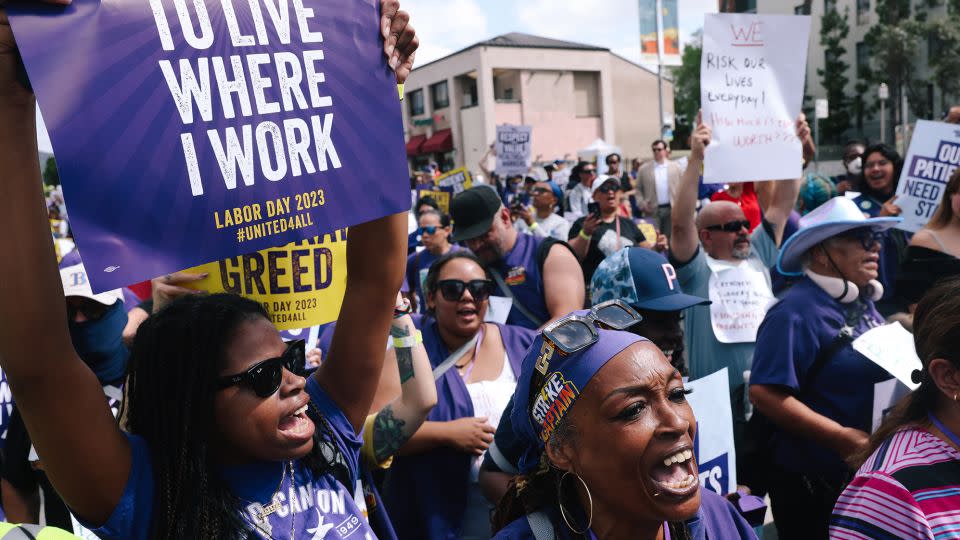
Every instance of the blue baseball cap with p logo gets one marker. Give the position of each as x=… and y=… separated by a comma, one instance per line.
x=642, y=278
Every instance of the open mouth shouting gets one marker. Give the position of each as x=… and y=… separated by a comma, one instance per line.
x=676, y=475
x=297, y=426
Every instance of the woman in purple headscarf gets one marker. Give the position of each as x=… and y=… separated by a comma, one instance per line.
x=610, y=440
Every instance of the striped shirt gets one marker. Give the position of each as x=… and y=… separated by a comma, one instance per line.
x=908, y=488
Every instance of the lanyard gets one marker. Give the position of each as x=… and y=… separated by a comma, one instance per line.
x=946, y=431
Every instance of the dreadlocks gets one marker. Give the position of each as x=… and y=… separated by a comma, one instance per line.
x=174, y=366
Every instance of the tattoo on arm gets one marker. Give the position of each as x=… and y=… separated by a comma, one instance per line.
x=388, y=434
x=404, y=355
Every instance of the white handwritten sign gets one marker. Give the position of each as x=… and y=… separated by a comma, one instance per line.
x=751, y=90
x=933, y=156
x=891, y=347
x=716, y=456
x=741, y=295
x=514, y=149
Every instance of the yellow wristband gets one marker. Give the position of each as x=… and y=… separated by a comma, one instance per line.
x=408, y=342
x=585, y=236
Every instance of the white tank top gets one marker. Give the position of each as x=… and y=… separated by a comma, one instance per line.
x=489, y=398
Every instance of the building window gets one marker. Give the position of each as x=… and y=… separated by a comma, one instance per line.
x=470, y=98
x=416, y=102
x=586, y=93
x=802, y=9
x=863, y=60
x=829, y=5
x=863, y=12
x=439, y=95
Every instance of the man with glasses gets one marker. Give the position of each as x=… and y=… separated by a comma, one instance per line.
x=716, y=257
x=657, y=182
x=541, y=276
x=543, y=222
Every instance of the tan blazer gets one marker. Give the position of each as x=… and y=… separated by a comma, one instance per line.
x=647, y=184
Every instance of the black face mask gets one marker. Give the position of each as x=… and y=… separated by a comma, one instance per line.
x=100, y=344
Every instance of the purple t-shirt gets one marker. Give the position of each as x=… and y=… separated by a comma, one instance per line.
x=716, y=519
x=318, y=506
x=794, y=331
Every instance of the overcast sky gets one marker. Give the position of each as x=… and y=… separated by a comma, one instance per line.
x=445, y=26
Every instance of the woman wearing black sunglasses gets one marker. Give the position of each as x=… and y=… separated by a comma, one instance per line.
x=224, y=441
x=431, y=489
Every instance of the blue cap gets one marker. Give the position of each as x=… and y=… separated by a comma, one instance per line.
x=564, y=378
x=557, y=192
x=642, y=278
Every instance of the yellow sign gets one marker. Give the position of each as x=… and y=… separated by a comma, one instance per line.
x=456, y=180
x=442, y=198
x=300, y=284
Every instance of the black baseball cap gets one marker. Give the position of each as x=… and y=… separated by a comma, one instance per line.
x=472, y=211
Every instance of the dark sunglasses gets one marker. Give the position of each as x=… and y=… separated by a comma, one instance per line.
x=577, y=332
x=731, y=226
x=429, y=229
x=452, y=289
x=608, y=187
x=265, y=377
x=590, y=171
x=866, y=237
x=91, y=309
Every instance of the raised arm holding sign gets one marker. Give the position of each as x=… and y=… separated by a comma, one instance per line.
x=751, y=90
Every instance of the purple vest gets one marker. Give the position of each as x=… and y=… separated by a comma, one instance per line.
x=521, y=272
x=426, y=494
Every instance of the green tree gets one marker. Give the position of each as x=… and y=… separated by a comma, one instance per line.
x=50, y=175
x=834, y=29
x=686, y=91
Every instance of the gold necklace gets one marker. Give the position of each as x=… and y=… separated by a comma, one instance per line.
x=275, y=505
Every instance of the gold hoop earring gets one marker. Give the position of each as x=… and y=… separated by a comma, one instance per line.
x=563, y=511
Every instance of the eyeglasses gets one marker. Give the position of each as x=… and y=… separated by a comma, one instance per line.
x=265, y=377
x=429, y=229
x=878, y=163
x=452, y=289
x=607, y=187
x=91, y=309
x=589, y=171
x=658, y=149
x=867, y=237
x=577, y=332
x=732, y=226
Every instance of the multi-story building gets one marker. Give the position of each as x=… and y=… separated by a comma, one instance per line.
x=571, y=93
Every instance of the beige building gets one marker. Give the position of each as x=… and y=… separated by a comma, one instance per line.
x=571, y=93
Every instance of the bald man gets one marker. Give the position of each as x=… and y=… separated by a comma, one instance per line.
x=717, y=257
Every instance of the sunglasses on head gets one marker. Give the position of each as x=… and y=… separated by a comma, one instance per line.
x=577, y=332
x=452, y=289
x=866, y=237
x=265, y=377
x=429, y=229
x=731, y=226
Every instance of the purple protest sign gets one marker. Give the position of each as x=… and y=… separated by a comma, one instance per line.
x=192, y=131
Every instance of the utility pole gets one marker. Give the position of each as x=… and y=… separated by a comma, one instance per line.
x=884, y=94
x=660, y=64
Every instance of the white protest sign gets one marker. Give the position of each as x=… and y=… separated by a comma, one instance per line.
x=933, y=156
x=751, y=90
x=741, y=295
x=891, y=347
x=716, y=457
x=886, y=394
x=514, y=149
x=498, y=309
